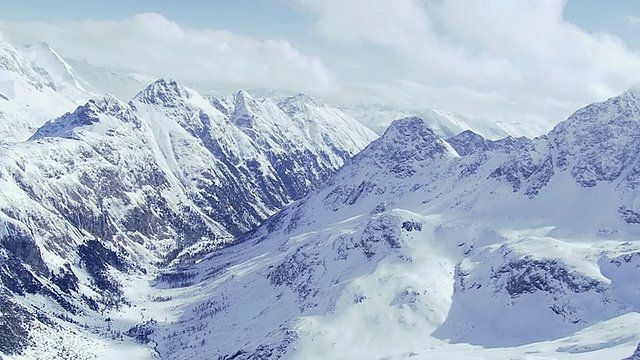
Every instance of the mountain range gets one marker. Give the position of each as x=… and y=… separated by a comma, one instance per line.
x=180, y=226
x=423, y=246
x=445, y=123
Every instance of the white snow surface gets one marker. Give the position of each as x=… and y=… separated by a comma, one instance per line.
x=28, y=95
x=122, y=84
x=64, y=77
x=38, y=84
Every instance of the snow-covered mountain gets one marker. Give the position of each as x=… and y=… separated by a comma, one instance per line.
x=38, y=84
x=245, y=158
x=445, y=123
x=29, y=95
x=428, y=247
x=79, y=79
x=64, y=77
x=124, y=85
x=112, y=192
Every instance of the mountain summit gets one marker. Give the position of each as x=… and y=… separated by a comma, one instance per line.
x=163, y=93
x=29, y=96
x=97, y=110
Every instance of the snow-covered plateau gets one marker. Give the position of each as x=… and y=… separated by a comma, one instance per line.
x=181, y=226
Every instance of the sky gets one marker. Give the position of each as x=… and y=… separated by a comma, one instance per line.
x=515, y=61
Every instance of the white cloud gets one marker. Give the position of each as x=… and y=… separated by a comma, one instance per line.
x=632, y=21
x=152, y=44
x=511, y=60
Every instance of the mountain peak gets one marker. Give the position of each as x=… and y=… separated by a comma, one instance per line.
x=243, y=98
x=86, y=115
x=467, y=135
x=12, y=61
x=633, y=91
x=42, y=45
x=407, y=144
x=297, y=103
x=412, y=127
x=163, y=92
x=467, y=142
x=301, y=98
x=604, y=117
x=244, y=109
x=61, y=73
x=601, y=140
x=41, y=52
x=630, y=100
x=107, y=104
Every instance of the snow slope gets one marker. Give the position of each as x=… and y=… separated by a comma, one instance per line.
x=38, y=84
x=245, y=158
x=79, y=79
x=121, y=84
x=64, y=77
x=28, y=95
